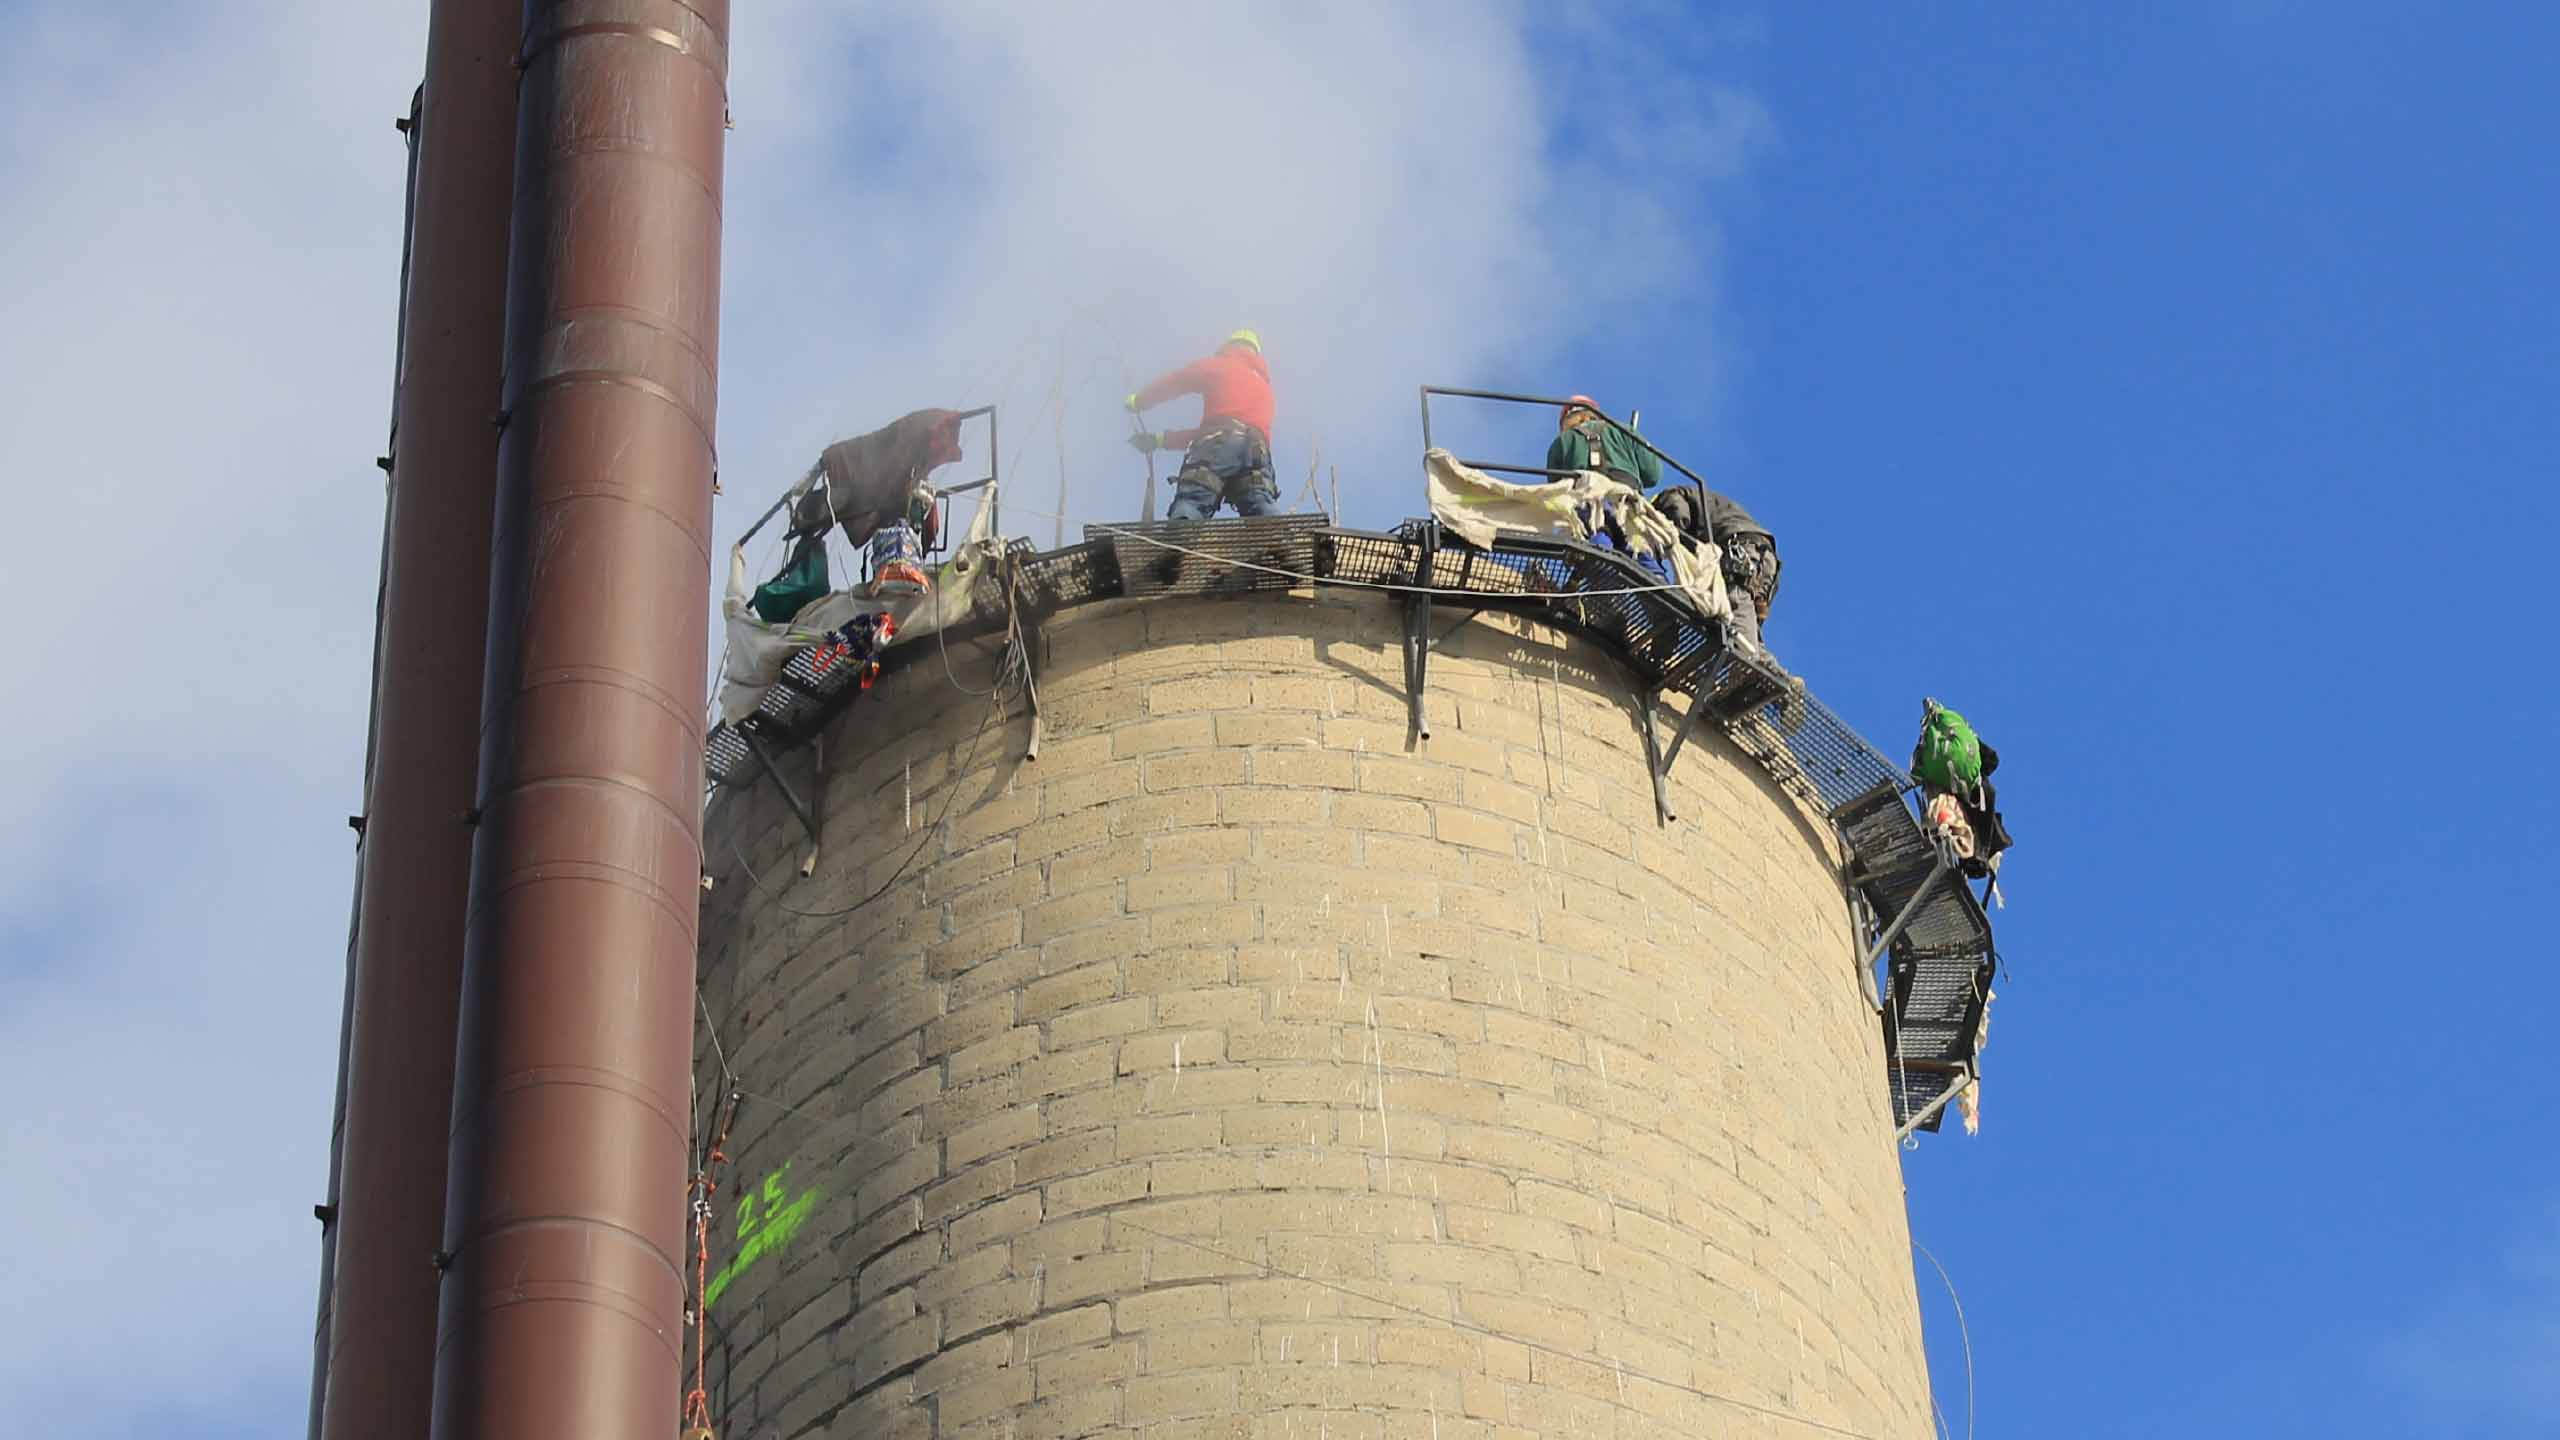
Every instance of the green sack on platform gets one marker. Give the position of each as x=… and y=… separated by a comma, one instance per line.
x=1949, y=756
x=802, y=581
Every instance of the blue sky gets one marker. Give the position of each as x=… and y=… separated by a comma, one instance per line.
x=2175, y=395
x=2171, y=391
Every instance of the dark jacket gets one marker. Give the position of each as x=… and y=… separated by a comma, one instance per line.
x=1602, y=446
x=1723, y=521
x=1729, y=519
x=871, y=479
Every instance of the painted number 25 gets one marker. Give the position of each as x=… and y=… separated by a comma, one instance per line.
x=771, y=1191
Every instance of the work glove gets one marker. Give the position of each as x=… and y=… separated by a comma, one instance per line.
x=1146, y=442
x=1131, y=404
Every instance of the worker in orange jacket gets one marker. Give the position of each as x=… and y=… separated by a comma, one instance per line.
x=1227, y=456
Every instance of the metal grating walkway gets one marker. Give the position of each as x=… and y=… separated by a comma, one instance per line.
x=1212, y=557
x=808, y=699
x=1941, y=955
x=1599, y=593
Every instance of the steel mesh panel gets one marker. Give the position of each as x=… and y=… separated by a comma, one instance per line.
x=1886, y=836
x=1732, y=685
x=1915, y=1087
x=782, y=710
x=1458, y=566
x=1811, y=748
x=1075, y=575
x=1932, y=1044
x=1943, y=963
x=723, y=751
x=1895, y=859
x=800, y=673
x=1948, y=922
x=1578, y=586
x=1518, y=564
x=1365, y=557
x=1648, y=631
x=1600, y=593
x=1939, y=994
x=1937, y=1012
x=1212, y=557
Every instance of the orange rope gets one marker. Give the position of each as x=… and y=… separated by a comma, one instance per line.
x=697, y=1401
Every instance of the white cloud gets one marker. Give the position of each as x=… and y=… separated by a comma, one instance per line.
x=1385, y=192
x=204, y=219
x=928, y=204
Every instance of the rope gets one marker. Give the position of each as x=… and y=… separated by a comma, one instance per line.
x=777, y=1103
x=1901, y=1069
x=931, y=832
x=696, y=1417
x=728, y=1077
x=1013, y=659
x=1961, y=1328
x=1308, y=492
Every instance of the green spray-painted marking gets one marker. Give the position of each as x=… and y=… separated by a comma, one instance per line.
x=763, y=1228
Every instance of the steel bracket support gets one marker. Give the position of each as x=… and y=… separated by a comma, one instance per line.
x=1653, y=762
x=1032, y=639
x=799, y=807
x=1920, y=1117
x=1417, y=627
x=1910, y=908
x=1442, y=639
x=1689, y=725
x=1657, y=759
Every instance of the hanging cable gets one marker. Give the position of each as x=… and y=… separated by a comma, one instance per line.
x=1058, y=433
x=932, y=832
x=1315, y=460
x=1009, y=668
x=1901, y=1071
x=1962, y=1329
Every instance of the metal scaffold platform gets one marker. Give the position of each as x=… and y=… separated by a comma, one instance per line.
x=1938, y=944
x=1921, y=917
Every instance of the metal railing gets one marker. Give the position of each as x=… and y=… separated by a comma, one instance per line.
x=1626, y=428
x=942, y=493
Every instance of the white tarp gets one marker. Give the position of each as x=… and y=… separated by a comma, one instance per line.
x=758, y=650
x=1970, y=1102
x=1479, y=507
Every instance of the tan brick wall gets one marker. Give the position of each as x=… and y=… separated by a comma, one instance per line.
x=1239, y=1069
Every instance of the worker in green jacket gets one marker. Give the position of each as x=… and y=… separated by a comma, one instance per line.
x=1586, y=441
x=1748, y=552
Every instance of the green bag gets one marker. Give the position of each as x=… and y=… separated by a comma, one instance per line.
x=802, y=581
x=1949, y=755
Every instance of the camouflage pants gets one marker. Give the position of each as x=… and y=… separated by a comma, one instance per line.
x=1229, y=464
x=1751, y=579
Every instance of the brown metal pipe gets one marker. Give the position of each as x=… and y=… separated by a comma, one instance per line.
x=565, y=1210
x=377, y=1379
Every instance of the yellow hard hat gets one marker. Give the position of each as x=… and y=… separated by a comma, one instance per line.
x=1246, y=337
